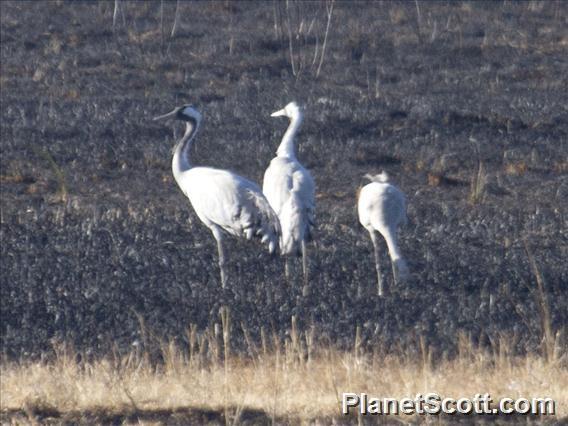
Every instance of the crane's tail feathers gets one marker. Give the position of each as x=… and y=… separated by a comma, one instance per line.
x=297, y=221
x=404, y=220
x=273, y=247
x=264, y=224
x=309, y=237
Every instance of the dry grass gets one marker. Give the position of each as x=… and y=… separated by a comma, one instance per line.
x=292, y=381
x=519, y=168
x=478, y=184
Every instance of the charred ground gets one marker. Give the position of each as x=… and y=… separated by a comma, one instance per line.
x=464, y=104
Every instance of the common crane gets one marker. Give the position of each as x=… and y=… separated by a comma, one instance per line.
x=224, y=201
x=382, y=209
x=290, y=190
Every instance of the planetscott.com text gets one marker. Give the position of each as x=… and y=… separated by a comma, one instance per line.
x=432, y=403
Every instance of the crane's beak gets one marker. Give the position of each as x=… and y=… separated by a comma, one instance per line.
x=168, y=115
x=278, y=113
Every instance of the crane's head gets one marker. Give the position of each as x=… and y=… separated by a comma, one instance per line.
x=291, y=110
x=186, y=113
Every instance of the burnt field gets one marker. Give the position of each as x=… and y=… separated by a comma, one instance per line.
x=463, y=104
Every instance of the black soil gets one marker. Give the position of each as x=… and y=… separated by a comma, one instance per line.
x=463, y=104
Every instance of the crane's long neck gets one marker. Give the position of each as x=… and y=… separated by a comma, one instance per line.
x=286, y=148
x=181, y=162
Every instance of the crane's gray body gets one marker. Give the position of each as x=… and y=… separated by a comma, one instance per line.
x=223, y=201
x=382, y=209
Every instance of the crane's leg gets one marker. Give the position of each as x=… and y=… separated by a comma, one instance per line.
x=217, y=233
x=374, y=238
x=287, y=272
x=394, y=272
x=399, y=270
x=305, y=290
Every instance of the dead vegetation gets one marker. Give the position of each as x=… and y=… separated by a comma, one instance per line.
x=285, y=381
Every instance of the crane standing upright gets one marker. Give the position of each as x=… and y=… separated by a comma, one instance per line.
x=224, y=201
x=290, y=190
x=382, y=209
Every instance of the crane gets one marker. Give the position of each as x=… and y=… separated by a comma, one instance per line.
x=382, y=209
x=224, y=201
x=290, y=190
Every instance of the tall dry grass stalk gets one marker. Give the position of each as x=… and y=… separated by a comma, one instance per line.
x=550, y=340
x=478, y=185
x=286, y=380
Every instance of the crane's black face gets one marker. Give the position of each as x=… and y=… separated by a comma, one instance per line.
x=185, y=113
x=188, y=113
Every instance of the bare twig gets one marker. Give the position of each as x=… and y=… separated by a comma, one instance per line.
x=176, y=19
x=329, y=8
x=418, y=22
x=290, y=41
x=161, y=22
x=118, y=9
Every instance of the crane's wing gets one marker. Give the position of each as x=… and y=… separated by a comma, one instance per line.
x=233, y=203
x=277, y=183
x=290, y=189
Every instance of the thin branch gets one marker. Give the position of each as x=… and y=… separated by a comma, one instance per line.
x=329, y=7
x=118, y=9
x=176, y=19
x=290, y=42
